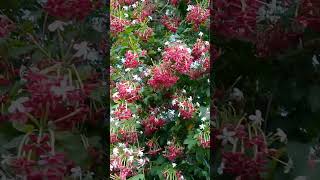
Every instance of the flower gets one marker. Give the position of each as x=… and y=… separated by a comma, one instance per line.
x=57, y=25
x=227, y=136
x=256, y=119
x=18, y=105
x=282, y=135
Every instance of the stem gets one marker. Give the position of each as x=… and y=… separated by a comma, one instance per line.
x=67, y=116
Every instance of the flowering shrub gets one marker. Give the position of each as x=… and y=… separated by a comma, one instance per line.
x=160, y=90
x=266, y=89
x=51, y=58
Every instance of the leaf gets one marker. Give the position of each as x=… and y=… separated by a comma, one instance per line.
x=190, y=141
x=72, y=145
x=137, y=177
x=26, y=128
x=15, y=142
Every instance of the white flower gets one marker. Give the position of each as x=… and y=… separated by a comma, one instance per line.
x=140, y=153
x=27, y=15
x=227, y=136
x=126, y=15
x=115, y=151
x=150, y=17
x=190, y=7
x=76, y=172
x=82, y=49
x=220, y=169
x=202, y=126
x=136, y=77
x=98, y=24
x=17, y=105
x=282, y=135
x=174, y=165
x=93, y=55
x=57, y=25
x=159, y=49
x=283, y=112
x=256, y=119
x=288, y=166
x=203, y=119
x=315, y=61
x=200, y=34
x=125, y=8
x=130, y=159
x=166, y=43
x=168, y=12
x=134, y=22
x=62, y=89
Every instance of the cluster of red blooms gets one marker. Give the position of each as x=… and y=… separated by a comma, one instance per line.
x=173, y=151
x=200, y=48
x=127, y=91
x=197, y=16
x=203, y=142
x=236, y=18
x=243, y=164
x=154, y=147
x=152, y=124
x=124, y=136
x=144, y=33
x=131, y=60
x=69, y=9
x=273, y=40
x=186, y=110
x=178, y=175
x=118, y=25
x=123, y=113
x=6, y=26
x=172, y=24
x=239, y=19
x=52, y=166
x=39, y=145
x=162, y=77
x=180, y=57
x=148, y=8
x=67, y=104
x=309, y=14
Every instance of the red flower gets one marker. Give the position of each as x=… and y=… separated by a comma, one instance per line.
x=162, y=78
x=6, y=26
x=152, y=124
x=69, y=9
x=197, y=15
x=131, y=60
x=171, y=24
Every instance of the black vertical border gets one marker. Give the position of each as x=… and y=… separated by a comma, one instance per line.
x=106, y=79
x=212, y=85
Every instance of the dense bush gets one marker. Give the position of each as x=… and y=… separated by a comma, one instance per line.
x=160, y=90
x=51, y=58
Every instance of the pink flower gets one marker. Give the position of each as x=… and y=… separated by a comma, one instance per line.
x=197, y=15
x=162, y=78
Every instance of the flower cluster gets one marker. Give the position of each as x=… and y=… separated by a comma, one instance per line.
x=49, y=96
x=151, y=59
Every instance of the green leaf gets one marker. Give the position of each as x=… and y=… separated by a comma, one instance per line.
x=190, y=141
x=14, y=143
x=26, y=128
x=137, y=177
